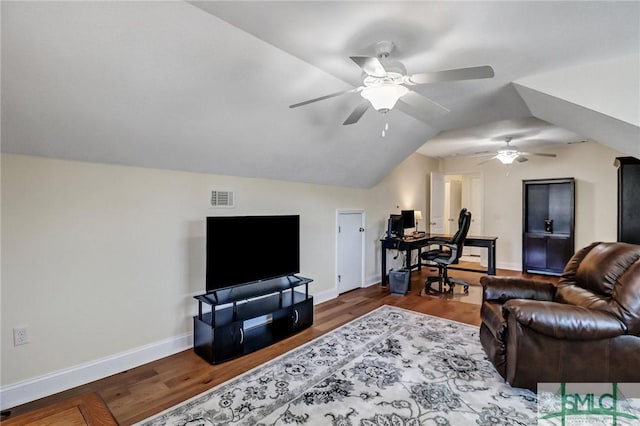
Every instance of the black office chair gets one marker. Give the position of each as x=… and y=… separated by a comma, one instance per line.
x=461, y=216
x=448, y=253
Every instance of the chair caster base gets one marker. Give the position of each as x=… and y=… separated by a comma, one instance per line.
x=428, y=290
x=441, y=291
x=465, y=286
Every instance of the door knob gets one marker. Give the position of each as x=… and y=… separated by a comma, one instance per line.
x=361, y=229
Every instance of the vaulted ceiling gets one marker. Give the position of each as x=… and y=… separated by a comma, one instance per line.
x=205, y=86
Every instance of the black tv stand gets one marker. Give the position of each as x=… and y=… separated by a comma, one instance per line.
x=221, y=334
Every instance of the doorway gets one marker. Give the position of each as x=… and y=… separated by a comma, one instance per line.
x=451, y=193
x=350, y=242
x=437, y=204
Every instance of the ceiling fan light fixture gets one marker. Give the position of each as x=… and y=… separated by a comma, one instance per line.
x=383, y=97
x=507, y=156
x=384, y=81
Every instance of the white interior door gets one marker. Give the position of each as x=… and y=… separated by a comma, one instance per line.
x=350, y=251
x=454, y=205
x=475, y=207
x=436, y=204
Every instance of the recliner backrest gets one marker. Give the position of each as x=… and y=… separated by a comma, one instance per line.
x=605, y=276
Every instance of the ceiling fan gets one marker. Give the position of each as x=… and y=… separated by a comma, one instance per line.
x=508, y=154
x=385, y=82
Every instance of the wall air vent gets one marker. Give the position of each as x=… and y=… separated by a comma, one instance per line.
x=221, y=199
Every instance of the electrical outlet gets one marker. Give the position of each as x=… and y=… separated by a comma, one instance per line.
x=20, y=335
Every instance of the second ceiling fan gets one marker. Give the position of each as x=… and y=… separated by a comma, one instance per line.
x=509, y=153
x=386, y=82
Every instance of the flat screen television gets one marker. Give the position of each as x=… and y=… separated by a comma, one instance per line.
x=245, y=249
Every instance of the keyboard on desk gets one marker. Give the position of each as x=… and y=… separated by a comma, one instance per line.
x=414, y=237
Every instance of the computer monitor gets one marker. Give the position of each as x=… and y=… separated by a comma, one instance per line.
x=408, y=219
x=395, y=228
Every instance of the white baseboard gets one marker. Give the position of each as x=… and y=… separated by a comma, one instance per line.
x=58, y=381
x=323, y=296
x=373, y=280
x=509, y=266
x=475, y=259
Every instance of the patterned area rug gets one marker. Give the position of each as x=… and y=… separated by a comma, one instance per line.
x=389, y=367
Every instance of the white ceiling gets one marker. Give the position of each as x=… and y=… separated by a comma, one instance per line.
x=205, y=86
x=526, y=134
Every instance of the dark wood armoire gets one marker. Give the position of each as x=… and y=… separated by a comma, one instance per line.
x=628, y=199
x=548, y=222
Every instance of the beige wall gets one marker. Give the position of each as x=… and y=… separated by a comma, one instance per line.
x=405, y=188
x=100, y=259
x=591, y=164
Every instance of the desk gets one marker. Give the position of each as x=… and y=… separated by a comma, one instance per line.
x=408, y=245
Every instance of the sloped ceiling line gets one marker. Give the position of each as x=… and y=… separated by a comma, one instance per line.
x=184, y=89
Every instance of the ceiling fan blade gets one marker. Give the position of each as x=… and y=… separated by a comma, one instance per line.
x=521, y=159
x=321, y=98
x=541, y=154
x=370, y=65
x=475, y=154
x=357, y=113
x=486, y=161
x=423, y=104
x=470, y=73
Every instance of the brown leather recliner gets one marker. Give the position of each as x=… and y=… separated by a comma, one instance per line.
x=587, y=329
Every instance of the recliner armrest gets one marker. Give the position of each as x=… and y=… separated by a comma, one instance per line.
x=501, y=289
x=563, y=321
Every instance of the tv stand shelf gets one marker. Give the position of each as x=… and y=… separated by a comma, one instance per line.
x=222, y=333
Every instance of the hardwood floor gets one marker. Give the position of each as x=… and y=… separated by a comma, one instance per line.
x=143, y=391
x=87, y=409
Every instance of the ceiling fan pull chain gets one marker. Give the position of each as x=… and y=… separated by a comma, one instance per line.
x=385, y=129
